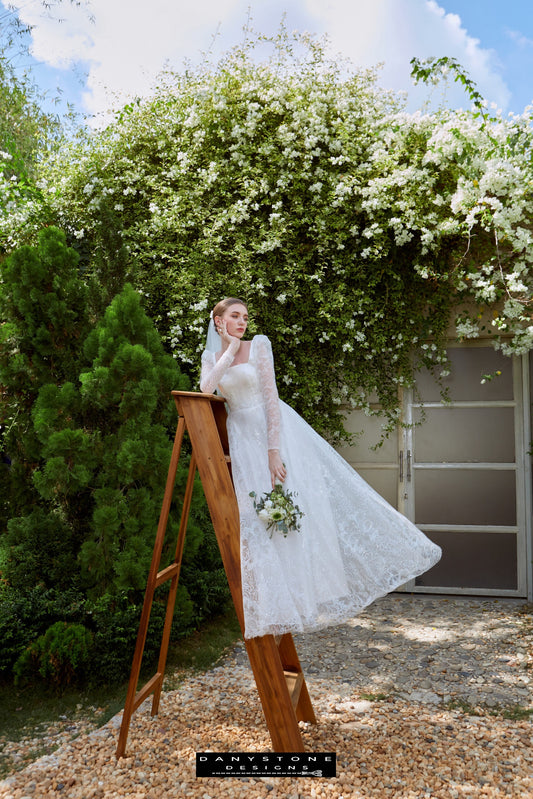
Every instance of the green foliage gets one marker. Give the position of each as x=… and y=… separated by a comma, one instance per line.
x=111, y=620
x=94, y=451
x=105, y=449
x=26, y=131
x=27, y=613
x=115, y=621
x=432, y=70
x=202, y=571
x=352, y=228
x=58, y=657
x=42, y=550
x=43, y=306
x=89, y=436
x=128, y=384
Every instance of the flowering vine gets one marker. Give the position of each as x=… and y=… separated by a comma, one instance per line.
x=355, y=231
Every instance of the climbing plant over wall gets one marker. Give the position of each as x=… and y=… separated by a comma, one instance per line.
x=352, y=228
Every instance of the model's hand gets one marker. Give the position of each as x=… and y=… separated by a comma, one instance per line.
x=231, y=341
x=278, y=473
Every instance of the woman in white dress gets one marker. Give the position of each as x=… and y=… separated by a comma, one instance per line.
x=351, y=547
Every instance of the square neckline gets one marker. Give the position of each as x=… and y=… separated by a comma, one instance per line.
x=241, y=363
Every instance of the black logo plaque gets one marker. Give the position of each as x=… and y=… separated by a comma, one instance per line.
x=266, y=764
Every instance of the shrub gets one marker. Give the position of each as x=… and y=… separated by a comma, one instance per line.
x=41, y=550
x=114, y=619
x=60, y=656
x=25, y=615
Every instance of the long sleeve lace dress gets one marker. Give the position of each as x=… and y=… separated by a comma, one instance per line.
x=352, y=546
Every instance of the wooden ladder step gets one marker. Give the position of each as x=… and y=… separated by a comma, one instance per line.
x=167, y=574
x=294, y=681
x=147, y=689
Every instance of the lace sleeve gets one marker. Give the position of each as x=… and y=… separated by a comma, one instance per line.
x=265, y=368
x=213, y=370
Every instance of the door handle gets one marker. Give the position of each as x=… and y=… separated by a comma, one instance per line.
x=408, y=465
x=401, y=466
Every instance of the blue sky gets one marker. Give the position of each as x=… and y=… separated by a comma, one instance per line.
x=105, y=51
x=506, y=27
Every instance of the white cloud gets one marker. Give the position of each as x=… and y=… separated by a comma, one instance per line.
x=394, y=31
x=60, y=36
x=483, y=64
x=519, y=38
x=125, y=44
x=130, y=41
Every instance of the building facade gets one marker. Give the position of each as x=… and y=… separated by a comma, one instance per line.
x=460, y=469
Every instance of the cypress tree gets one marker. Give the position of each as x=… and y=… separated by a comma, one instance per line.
x=87, y=423
x=45, y=319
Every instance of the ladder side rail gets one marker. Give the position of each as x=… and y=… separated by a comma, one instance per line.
x=218, y=487
x=219, y=412
x=274, y=694
x=171, y=601
x=129, y=706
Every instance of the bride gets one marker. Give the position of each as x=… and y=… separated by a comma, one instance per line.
x=350, y=547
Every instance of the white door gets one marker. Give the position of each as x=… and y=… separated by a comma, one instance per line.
x=460, y=472
x=464, y=476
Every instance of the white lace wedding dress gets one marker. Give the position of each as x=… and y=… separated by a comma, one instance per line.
x=352, y=546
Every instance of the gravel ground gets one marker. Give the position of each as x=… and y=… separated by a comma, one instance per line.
x=412, y=695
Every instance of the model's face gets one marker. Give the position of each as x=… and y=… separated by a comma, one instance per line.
x=236, y=319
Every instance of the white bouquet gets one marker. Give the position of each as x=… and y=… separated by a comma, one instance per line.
x=278, y=510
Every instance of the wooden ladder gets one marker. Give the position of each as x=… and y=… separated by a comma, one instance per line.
x=274, y=661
